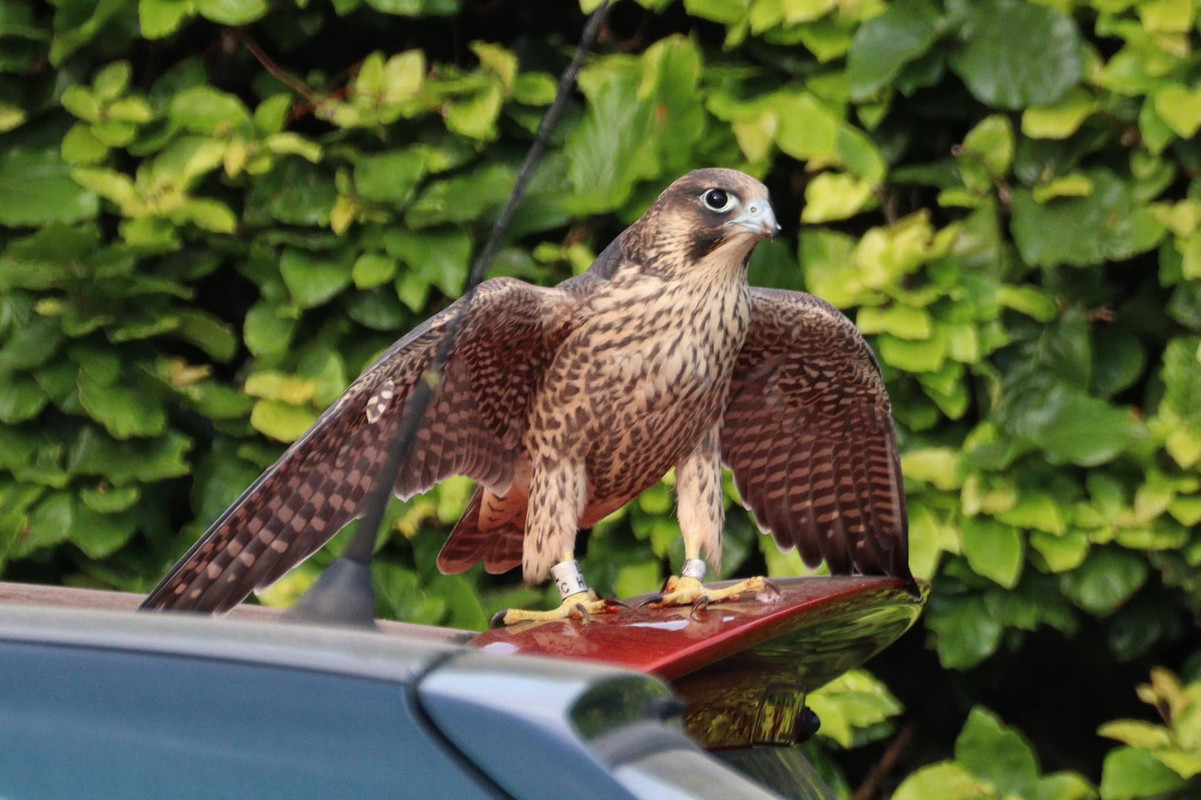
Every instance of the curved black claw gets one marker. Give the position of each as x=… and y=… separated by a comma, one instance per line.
x=654, y=598
x=498, y=619
x=774, y=590
x=611, y=602
x=699, y=606
x=584, y=615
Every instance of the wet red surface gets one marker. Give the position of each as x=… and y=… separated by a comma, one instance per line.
x=743, y=667
x=670, y=643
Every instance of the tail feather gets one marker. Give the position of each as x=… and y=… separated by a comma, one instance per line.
x=491, y=530
x=505, y=552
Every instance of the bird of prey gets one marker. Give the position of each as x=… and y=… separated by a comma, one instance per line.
x=565, y=403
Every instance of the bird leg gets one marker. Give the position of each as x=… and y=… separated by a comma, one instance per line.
x=579, y=602
x=701, y=512
x=688, y=589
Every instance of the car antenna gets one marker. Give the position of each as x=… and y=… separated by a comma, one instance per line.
x=344, y=595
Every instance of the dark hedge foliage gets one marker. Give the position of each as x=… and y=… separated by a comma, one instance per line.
x=216, y=212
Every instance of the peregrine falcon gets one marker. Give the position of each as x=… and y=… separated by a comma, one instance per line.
x=565, y=403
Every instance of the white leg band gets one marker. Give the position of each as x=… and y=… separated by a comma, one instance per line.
x=568, y=578
x=694, y=568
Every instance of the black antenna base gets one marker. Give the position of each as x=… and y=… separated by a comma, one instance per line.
x=341, y=596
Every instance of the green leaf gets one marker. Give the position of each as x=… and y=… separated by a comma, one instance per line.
x=99, y=535
x=635, y=579
x=727, y=12
x=1182, y=378
x=945, y=780
x=642, y=118
x=903, y=322
x=88, y=21
x=378, y=309
x=1107, y=225
x=475, y=117
x=938, y=466
x=11, y=117
x=1061, y=552
x=438, y=258
x=107, y=500
x=112, y=81
x=534, y=89
x=996, y=753
x=281, y=421
x=1156, y=133
x=993, y=549
x=853, y=708
x=49, y=524
x=1167, y=16
x=124, y=411
x=268, y=329
x=135, y=460
x=884, y=44
x=274, y=385
x=1129, y=773
x=38, y=189
x=53, y=257
x=1035, y=511
x=1067, y=186
x=161, y=18
x=208, y=215
x=372, y=269
x=295, y=192
x=1061, y=119
x=313, y=279
x=1137, y=733
x=82, y=103
x=80, y=146
x=413, y=8
x=830, y=196
x=1180, y=108
x=1073, y=427
x=991, y=144
x=462, y=198
x=271, y=115
x=1064, y=786
x=497, y=61
x=1105, y=581
x=20, y=399
x=1017, y=54
x=390, y=178
x=208, y=333
x=1029, y=300
x=1118, y=360
x=966, y=632
x=231, y=12
x=926, y=355
x=463, y=606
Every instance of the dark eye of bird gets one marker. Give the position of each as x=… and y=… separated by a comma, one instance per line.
x=716, y=200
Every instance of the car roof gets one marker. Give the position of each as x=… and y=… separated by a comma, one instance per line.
x=361, y=653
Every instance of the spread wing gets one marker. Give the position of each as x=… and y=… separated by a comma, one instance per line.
x=808, y=435
x=474, y=426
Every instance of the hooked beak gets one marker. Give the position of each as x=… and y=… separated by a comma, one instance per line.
x=758, y=218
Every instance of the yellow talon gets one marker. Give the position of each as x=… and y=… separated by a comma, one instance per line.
x=685, y=591
x=581, y=605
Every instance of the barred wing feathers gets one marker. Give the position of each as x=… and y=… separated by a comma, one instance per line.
x=474, y=427
x=808, y=434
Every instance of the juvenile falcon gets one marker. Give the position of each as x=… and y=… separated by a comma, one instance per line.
x=565, y=403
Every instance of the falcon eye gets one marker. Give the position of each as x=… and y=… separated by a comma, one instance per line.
x=717, y=200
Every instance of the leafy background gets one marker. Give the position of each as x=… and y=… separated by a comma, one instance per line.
x=217, y=211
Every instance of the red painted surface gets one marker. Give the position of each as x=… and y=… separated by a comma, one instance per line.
x=670, y=643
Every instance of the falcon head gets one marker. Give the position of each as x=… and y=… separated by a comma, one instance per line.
x=710, y=218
